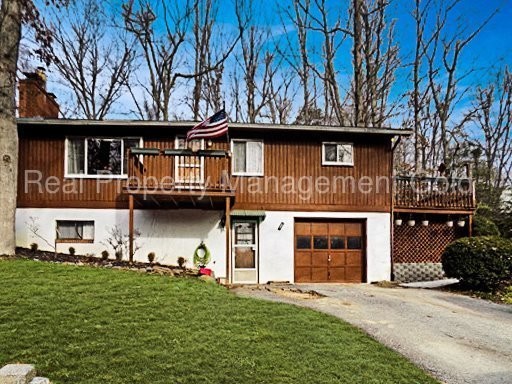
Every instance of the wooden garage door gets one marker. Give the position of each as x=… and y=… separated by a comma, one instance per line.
x=329, y=252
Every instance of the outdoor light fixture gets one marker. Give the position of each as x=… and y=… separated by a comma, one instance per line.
x=280, y=226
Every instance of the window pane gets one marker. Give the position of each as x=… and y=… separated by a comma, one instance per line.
x=337, y=242
x=103, y=157
x=303, y=242
x=345, y=153
x=75, y=230
x=255, y=157
x=180, y=143
x=354, y=242
x=128, y=143
x=245, y=233
x=330, y=152
x=320, y=242
x=239, y=157
x=76, y=153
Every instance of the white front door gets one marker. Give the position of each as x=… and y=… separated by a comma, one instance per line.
x=245, y=252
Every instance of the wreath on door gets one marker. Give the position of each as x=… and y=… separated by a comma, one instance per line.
x=202, y=255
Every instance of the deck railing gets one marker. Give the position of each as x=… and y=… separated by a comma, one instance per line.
x=434, y=192
x=177, y=169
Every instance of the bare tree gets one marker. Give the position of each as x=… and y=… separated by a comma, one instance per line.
x=162, y=31
x=212, y=45
x=160, y=50
x=297, y=52
x=443, y=51
x=94, y=61
x=333, y=36
x=375, y=60
x=282, y=91
x=493, y=116
x=255, y=64
x=14, y=13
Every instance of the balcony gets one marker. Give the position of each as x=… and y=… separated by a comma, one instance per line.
x=437, y=194
x=179, y=177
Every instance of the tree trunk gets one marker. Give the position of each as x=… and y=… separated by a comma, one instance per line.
x=10, y=33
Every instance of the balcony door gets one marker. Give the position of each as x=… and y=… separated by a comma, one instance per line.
x=245, y=252
x=189, y=170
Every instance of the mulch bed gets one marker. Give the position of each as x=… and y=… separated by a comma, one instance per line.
x=154, y=268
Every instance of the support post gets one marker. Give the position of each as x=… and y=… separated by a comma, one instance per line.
x=228, y=240
x=130, y=227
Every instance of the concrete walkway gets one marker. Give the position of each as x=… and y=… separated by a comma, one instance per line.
x=457, y=339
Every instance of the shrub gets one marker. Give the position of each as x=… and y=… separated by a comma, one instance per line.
x=151, y=257
x=104, y=255
x=480, y=263
x=119, y=255
x=34, y=247
x=181, y=261
x=483, y=226
x=71, y=250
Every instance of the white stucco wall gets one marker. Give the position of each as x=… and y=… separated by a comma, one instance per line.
x=174, y=233
x=168, y=233
x=277, y=247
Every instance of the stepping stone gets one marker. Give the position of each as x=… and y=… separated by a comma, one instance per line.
x=17, y=374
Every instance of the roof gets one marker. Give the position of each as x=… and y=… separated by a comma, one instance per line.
x=248, y=213
x=237, y=126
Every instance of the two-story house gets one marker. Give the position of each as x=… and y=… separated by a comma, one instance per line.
x=270, y=202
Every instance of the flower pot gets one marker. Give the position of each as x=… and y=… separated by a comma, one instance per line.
x=424, y=223
x=461, y=223
x=411, y=223
x=449, y=223
x=398, y=222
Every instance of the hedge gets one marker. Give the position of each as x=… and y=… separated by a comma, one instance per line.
x=480, y=263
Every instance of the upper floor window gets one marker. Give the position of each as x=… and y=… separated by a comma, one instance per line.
x=337, y=153
x=75, y=231
x=247, y=157
x=98, y=157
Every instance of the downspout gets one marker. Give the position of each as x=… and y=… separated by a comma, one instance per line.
x=392, y=201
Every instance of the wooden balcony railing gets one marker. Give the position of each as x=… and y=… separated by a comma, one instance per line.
x=178, y=170
x=434, y=193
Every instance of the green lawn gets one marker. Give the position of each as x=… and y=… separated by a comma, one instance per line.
x=87, y=325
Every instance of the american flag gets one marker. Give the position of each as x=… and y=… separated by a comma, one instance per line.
x=214, y=126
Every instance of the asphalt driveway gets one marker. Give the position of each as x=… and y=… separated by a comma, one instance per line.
x=457, y=339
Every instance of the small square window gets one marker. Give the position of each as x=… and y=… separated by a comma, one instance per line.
x=337, y=153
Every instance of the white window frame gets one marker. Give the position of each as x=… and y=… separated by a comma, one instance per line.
x=177, y=164
x=74, y=240
x=85, y=175
x=343, y=163
x=249, y=174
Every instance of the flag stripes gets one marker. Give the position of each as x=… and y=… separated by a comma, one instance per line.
x=214, y=126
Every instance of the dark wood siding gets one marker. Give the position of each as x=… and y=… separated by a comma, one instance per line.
x=287, y=158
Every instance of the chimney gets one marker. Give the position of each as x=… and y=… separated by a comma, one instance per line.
x=34, y=100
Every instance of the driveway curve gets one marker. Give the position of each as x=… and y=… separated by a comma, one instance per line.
x=457, y=339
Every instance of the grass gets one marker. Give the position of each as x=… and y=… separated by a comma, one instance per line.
x=92, y=325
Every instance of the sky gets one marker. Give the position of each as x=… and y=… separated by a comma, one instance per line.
x=489, y=51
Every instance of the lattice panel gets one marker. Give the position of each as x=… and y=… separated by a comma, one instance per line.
x=419, y=244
